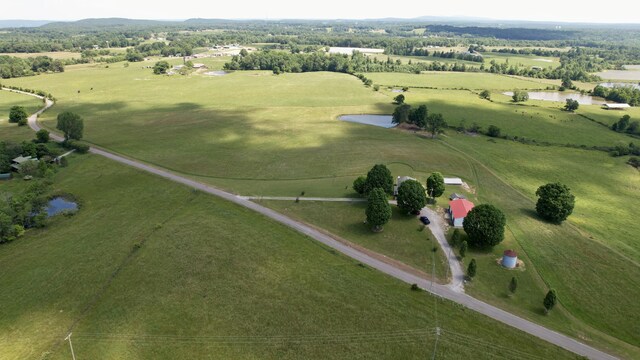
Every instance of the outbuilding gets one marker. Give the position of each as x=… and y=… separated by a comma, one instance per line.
x=452, y=181
x=510, y=259
x=458, y=210
x=616, y=106
x=455, y=196
x=17, y=162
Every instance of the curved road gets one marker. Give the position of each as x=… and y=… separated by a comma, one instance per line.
x=444, y=291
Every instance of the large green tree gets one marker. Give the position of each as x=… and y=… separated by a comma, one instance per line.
x=411, y=196
x=378, y=209
x=399, y=99
x=571, y=105
x=401, y=114
x=379, y=177
x=484, y=226
x=71, y=124
x=418, y=116
x=18, y=115
x=555, y=202
x=435, y=124
x=435, y=185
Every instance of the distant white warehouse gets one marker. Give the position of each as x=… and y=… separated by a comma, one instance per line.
x=616, y=106
x=349, y=50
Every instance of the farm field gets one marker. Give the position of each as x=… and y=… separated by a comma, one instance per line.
x=259, y=134
x=56, y=55
x=535, y=119
x=172, y=281
x=456, y=80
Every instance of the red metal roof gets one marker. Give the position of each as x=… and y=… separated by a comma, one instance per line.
x=510, y=253
x=460, y=207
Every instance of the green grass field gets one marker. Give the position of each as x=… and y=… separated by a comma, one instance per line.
x=259, y=134
x=8, y=99
x=456, y=80
x=403, y=238
x=190, y=276
x=538, y=120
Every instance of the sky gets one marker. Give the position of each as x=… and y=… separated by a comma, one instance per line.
x=626, y=11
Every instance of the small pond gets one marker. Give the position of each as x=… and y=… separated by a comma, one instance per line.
x=562, y=97
x=60, y=204
x=384, y=121
x=216, y=73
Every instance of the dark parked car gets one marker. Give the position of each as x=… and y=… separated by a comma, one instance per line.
x=425, y=220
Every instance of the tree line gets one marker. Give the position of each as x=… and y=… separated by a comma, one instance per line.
x=11, y=66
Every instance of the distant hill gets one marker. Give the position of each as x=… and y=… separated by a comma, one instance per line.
x=106, y=22
x=22, y=23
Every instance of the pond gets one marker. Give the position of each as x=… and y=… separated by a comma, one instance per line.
x=384, y=121
x=562, y=97
x=216, y=73
x=60, y=204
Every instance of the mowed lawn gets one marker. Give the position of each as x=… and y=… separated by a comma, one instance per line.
x=151, y=269
x=404, y=237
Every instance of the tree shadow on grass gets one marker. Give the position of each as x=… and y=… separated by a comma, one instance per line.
x=531, y=213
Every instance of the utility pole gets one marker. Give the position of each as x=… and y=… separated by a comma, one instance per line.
x=73, y=355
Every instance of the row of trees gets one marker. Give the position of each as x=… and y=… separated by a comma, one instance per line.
x=11, y=66
x=620, y=94
x=411, y=195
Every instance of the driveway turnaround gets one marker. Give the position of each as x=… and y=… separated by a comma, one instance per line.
x=444, y=291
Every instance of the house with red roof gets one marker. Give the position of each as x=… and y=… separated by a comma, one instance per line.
x=458, y=209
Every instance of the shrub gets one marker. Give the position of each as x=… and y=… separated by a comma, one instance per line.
x=78, y=146
x=360, y=185
x=42, y=136
x=493, y=131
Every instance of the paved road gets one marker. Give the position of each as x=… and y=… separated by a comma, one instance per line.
x=443, y=291
x=302, y=198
